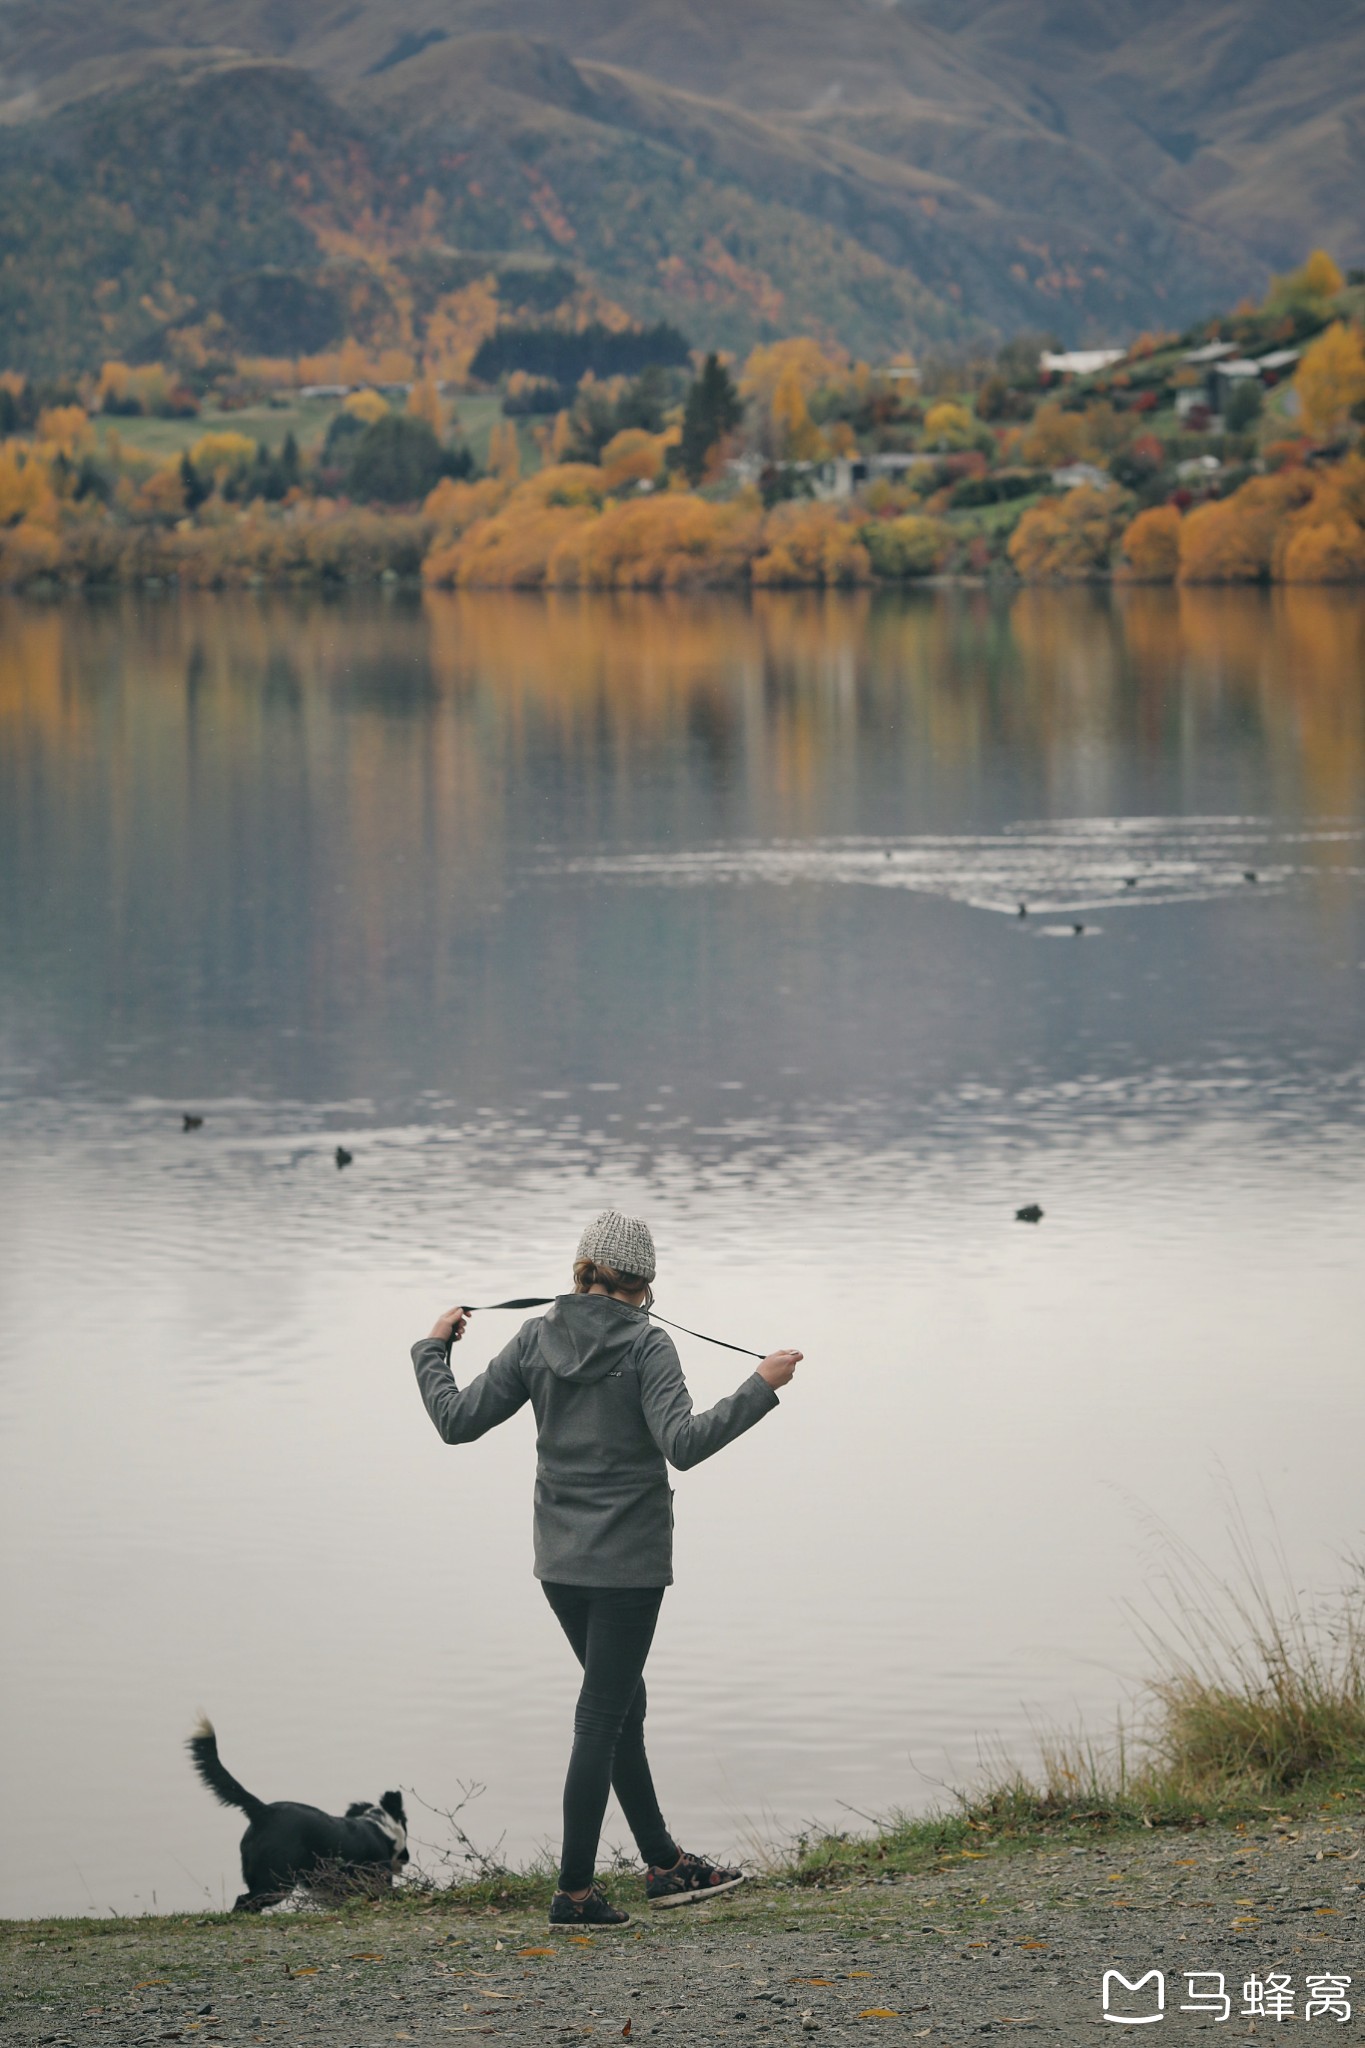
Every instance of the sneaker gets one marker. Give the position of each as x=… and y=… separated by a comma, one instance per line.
x=594, y=1911
x=691, y=1880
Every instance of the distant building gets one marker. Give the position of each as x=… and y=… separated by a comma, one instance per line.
x=1211, y=352
x=1078, y=362
x=1197, y=466
x=1073, y=474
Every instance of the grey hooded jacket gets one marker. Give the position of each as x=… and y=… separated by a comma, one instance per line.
x=611, y=1405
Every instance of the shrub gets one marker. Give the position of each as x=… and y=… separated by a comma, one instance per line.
x=1330, y=552
x=1152, y=544
x=809, y=544
x=632, y=457
x=1232, y=540
x=899, y=548
x=1070, y=536
x=669, y=542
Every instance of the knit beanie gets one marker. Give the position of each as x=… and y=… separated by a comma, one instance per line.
x=621, y=1242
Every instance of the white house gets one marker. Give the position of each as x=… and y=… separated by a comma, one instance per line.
x=1079, y=362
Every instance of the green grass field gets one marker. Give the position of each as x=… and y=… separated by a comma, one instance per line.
x=307, y=419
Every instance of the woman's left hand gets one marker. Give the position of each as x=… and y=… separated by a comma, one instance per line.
x=449, y=1328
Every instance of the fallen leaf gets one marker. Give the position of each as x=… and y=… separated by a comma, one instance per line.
x=1033, y=1944
x=878, y=2012
x=303, y=1973
x=810, y=1980
x=535, y=1951
x=974, y=1855
x=857, y=1973
x=1186, y=1862
x=625, y=2031
x=1326, y=1909
x=365, y=1955
x=152, y=1984
x=582, y=1940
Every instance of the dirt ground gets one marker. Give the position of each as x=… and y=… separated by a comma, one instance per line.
x=1011, y=1940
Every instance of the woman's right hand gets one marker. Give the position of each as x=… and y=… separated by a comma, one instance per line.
x=778, y=1367
x=449, y=1328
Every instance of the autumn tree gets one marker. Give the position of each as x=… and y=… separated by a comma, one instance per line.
x=1232, y=540
x=1330, y=379
x=799, y=438
x=1307, y=289
x=424, y=403
x=1069, y=536
x=713, y=410
x=948, y=425
x=1053, y=438
x=1151, y=546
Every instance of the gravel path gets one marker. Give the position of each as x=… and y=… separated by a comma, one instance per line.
x=1005, y=1942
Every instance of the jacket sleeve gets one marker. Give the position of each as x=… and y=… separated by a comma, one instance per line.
x=462, y=1414
x=683, y=1437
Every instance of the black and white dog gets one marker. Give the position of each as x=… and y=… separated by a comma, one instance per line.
x=286, y=1844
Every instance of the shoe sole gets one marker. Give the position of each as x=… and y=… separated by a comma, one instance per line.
x=698, y=1897
x=587, y=1926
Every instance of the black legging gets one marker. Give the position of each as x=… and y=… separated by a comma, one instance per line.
x=611, y=1629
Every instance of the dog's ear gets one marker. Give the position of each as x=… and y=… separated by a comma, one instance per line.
x=392, y=1803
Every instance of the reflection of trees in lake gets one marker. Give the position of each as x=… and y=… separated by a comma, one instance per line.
x=361, y=734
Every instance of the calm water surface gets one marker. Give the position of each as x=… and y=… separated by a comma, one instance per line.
x=711, y=910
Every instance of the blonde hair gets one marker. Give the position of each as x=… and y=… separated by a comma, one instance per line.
x=587, y=1274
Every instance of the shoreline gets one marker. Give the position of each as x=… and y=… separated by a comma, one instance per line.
x=1013, y=1934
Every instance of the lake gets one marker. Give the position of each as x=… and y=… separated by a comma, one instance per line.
x=709, y=909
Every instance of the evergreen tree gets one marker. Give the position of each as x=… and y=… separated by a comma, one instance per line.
x=191, y=483
x=714, y=409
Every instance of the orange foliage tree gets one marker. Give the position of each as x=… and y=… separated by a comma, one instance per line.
x=1324, y=541
x=633, y=457
x=805, y=544
x=1233, y=539
x=1053, y=437
x=1152, y=545
x=669, y=542
x=1069, y=536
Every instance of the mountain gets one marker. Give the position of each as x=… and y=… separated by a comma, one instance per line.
x=881, y=174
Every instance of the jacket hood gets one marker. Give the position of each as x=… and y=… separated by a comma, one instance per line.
x=584, y=1337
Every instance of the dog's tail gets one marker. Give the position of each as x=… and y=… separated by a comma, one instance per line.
x=203, y=1748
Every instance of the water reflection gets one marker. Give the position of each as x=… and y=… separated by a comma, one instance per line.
x=705, y=906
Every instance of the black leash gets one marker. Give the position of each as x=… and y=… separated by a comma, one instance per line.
x=544, y=1301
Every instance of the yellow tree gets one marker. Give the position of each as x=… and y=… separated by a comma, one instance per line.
x=1330, y=379
x=948, y=425
x=424, y=403
x=366, y=405
x=801, y=439
x=1320, y=276
x=771, y=364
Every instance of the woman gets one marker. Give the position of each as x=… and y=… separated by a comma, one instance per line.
x=611, y=1407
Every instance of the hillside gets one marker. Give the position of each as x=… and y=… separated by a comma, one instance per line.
x=878, y=174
